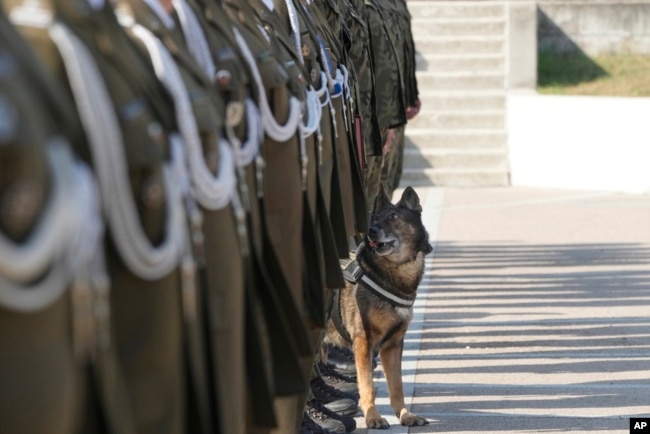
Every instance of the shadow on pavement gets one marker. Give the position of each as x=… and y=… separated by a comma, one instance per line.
x=541, y=337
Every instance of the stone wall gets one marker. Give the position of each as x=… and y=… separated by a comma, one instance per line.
x=594, y=26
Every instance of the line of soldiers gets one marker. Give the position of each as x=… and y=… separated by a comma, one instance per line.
x=178, y=181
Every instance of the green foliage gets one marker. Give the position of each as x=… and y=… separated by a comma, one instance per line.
x=604, y=75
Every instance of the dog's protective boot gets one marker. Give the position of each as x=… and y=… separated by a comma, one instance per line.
x=321, y=420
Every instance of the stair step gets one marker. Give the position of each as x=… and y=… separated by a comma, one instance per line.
x=458, y=139
x=457, y=26
x=463, y=100
x=481, y=119
x=455, y=177
x=457, y=44
x=494, y=62
x=460, y=80
x=415, y=158
x=458, y=9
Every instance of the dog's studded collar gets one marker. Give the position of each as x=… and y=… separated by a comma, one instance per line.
x=353, y=273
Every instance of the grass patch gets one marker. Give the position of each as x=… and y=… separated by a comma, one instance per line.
x=604, y=75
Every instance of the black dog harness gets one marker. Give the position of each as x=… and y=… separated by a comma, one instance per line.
x=353, y=273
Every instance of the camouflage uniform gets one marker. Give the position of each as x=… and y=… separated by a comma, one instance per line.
x=389, y=84
x=392, y=170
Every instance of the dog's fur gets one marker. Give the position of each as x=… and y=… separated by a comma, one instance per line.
x=392, y=256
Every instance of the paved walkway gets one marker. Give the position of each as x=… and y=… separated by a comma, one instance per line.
x=534, y=315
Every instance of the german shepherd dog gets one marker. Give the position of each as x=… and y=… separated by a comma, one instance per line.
x=374, y=309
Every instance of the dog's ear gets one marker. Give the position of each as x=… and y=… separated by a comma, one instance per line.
x=382, y=198
x=410, y=200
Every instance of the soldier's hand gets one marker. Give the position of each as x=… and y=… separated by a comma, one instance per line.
x=412, y=111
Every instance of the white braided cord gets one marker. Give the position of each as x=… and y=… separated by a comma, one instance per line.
x=69, y=233
x=342, y=83
x=247, y=151
x=212, y=192
x=157, y=8
x=196, y=40
x=277, y=132
x=104, y=136
x=295, y=28
x=314, y=113
x=346, y=80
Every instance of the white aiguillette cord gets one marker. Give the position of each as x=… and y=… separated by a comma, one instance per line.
x=295, y=28
x=66, y=242
x=104, y=136
x=196, y=40
x=213, y=192
x=314, y=111
x=200, y=50
x=277, y=132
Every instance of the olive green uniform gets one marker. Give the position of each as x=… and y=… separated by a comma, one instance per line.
x=189, y=355
x=220, y=260
x=146, y=310
x=39, y=367
x=283, y=190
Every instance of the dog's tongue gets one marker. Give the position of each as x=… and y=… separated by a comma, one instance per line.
x=373, y=244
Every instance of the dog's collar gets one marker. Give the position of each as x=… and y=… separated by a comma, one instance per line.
x=353, y=273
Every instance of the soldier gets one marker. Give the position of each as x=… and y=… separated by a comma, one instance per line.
x=279, y=83
x=127, y=119
x=405, y=48
x=355, y=37
x=190, y=75
x=344, y=99
x=302, y=27
x=412, y=93
x=243, y=132
x=344, y=39
x=55, y=349
x=388, y=97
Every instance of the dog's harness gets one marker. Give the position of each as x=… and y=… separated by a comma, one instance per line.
x=353, y=273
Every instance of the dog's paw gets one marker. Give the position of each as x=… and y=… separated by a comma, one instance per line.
x=410, y=419
x=377, y=423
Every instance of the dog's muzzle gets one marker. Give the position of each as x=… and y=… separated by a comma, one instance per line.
x=379, y=242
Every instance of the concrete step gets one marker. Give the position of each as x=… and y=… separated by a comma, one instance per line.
x=457, y=9
x=460, y=80
x=465, y=119
x=493, y=62
x=457, y=139
x=491, y=26
x=415, y=158
x=460, y=44
x=457, y=177
x=463, y=100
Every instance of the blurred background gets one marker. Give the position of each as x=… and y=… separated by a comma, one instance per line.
x=549, y=93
